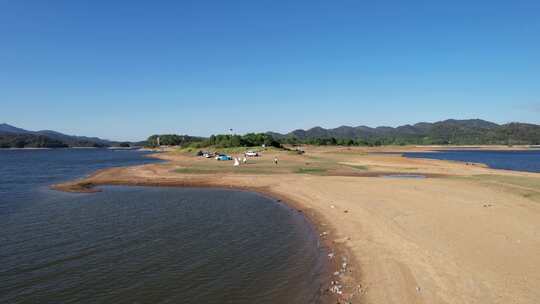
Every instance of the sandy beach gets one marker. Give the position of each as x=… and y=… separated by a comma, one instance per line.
x=463, y=233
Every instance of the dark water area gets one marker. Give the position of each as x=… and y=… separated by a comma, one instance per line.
x=25, y=172
x=526, y=160
x=145, y=244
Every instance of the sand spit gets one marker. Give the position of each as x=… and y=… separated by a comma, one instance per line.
x=463, y=234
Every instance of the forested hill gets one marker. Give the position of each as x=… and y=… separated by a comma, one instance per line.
x=456, y=132
x=13, y=137
x=448, y=132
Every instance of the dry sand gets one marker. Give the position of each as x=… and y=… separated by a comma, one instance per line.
x=464, y=234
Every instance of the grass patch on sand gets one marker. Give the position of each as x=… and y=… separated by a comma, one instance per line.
x=233, y=170
x=348, y=152
x=520, y=181
x=535, y=196
x=526, y=186
x=359, y=167
x=314, y=170
x=196, y=171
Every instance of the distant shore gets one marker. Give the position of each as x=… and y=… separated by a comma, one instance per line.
x=110, y=148
x=7, y=149
x=402, y=240
x=418, y=148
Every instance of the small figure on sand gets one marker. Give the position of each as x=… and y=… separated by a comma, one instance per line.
x=275, y=160
x=244, y=160
x=236, y=162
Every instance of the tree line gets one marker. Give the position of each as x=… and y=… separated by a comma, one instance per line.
x=218, y=141
x=440, y=134
x=29, y=141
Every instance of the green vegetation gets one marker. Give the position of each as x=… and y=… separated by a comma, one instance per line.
x=358, y=167
x=29, y=141
x=525, y=186
x=13, y=137
x=217, y=141
x=248, y=140
x=194, y=170
x=524, y=182
x=223, y=169
x=172, y=140
x=448, y=132
x=314, y=170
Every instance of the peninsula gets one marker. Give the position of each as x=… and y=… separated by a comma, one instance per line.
x=410, y=230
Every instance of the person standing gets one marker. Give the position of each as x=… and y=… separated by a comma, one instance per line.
x=275, y=160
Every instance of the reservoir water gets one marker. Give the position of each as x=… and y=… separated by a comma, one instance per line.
x=525, y=160
x=145, y=244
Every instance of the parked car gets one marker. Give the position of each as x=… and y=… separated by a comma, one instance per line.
x=223, y=157
x=208, y=155
x=251, y=154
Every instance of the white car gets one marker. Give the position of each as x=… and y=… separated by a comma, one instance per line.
x=251, y=154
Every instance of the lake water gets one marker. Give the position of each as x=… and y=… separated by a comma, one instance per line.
x=527, y=160
x=145, y=244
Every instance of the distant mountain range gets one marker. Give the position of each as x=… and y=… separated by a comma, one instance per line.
x=13, y=137
x=451, y=131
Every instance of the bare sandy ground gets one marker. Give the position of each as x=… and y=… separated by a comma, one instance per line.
x=464, y=234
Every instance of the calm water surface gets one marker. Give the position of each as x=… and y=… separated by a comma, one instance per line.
x=509, y=160
x=145, y=244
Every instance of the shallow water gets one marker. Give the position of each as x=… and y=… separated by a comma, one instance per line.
x=147, y=244
x=509, y=160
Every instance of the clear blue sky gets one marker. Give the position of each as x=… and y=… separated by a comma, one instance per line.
x=128, y=69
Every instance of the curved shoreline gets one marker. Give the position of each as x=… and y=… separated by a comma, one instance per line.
x=406, y=240
x=314, y=218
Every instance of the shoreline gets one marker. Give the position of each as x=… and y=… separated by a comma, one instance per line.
x=339, y=252
x=319, y=226
x=406, y=240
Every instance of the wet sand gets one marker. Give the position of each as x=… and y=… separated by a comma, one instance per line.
x=463, y=234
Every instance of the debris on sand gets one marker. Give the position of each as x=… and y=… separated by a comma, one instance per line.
x=335, y=287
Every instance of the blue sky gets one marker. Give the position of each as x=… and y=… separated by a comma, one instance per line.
x=129, y=69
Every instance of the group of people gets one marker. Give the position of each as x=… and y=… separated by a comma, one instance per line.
x=238, y=160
